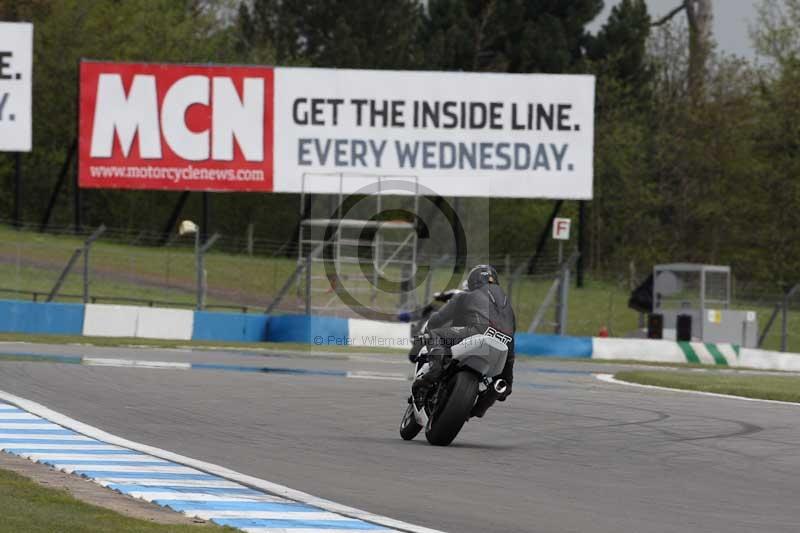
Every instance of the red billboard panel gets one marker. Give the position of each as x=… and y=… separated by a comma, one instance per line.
x=178, y=127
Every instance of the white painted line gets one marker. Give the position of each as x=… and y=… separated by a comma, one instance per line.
x=65, y=458
x=273, y=488
x=64, y=448
x=367, y=359
x=201, y=497
x=134, y=468
x=376, y=375
x=80, y=438
x=132, y=363
x=609, y=378
x=205, y=514
x=13, y=425
x=20, y=415
x=156, y=483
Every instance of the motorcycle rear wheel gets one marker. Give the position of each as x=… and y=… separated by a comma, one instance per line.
x=445, y=425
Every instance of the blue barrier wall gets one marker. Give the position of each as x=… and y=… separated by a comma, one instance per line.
x=32, y=317
x=234, y=327
x=317, y=330
x=555, y=345
x=67, y=319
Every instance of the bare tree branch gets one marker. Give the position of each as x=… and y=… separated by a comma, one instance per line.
x=486, y=14
x=669, y=16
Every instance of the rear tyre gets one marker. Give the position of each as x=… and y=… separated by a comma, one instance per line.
x=445, y=425
x=409, y=428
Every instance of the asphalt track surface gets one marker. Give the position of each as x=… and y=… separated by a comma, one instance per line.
x=566, y=453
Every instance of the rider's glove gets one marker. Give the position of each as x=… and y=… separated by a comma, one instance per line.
x=421, y=340
x=444, y=296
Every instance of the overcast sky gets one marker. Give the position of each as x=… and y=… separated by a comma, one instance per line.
x=731, y=19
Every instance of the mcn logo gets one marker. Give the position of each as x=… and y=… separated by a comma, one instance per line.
x=125, y=115
x=176, y=127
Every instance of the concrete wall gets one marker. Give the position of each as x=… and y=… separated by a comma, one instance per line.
x=33, y=317
x=179, y=324
x=142, y=322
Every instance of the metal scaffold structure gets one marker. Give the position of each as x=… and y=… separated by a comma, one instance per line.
x=361, y=255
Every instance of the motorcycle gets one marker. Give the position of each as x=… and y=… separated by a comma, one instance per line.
x=467, y=387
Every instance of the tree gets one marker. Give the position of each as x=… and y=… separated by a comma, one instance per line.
x=507, y=35
x=777, y=136
x=776, y=34
x=619, y=50
x=135, y=30
x=334, y=33
x=699, y=15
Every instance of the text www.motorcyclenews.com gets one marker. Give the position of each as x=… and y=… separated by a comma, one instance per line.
x=175, y=174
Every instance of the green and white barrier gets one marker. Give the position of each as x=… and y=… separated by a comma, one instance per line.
x=718, y=354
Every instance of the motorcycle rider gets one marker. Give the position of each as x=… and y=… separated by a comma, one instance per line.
x=419, y=318
x=482, y=309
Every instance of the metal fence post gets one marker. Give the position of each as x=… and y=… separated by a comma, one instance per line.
x=250, y=232
x=75, y=255
x=563, y=295
x=784, y=321
x=198, y=258
x=202, y=280
x=308, y=284
x=86, y=248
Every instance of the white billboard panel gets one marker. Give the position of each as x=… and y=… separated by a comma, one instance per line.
x=16, y=63
x=461, y=134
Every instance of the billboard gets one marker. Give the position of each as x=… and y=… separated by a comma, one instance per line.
x=181, y=127
x=16, y=69
x=269, y=129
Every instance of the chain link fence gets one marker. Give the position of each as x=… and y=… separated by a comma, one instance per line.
x=245, y=274
x=138, y=269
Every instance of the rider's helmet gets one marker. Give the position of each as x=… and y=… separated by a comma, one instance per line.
x=481, y=275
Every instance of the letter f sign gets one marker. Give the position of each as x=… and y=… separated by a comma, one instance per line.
x=561, y=228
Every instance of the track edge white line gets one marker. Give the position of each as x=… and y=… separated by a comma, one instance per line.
x=609, y=378
x=231, y=475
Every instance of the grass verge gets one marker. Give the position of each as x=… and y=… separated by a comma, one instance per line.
x=764, y=387
x=26, y=506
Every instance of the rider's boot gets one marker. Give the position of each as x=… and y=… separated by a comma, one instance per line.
x=429, y=378
x=485, y=401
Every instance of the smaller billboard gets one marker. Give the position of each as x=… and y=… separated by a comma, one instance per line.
x=16, y=72
x=180, y=127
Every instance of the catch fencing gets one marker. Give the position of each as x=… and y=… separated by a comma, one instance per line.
x=245, y=273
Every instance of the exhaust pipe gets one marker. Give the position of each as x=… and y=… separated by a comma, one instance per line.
x=499, y=386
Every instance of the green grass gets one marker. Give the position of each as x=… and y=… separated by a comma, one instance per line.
x=766, y=387
x=31, y=261
x=31, y=508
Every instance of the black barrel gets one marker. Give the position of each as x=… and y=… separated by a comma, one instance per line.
x=655, y=326
x=684, y=328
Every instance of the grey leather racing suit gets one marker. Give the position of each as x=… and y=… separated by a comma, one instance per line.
x=472, y=312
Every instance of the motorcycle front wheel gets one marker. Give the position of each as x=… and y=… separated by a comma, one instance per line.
x=409, y=427
x=448, y=421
